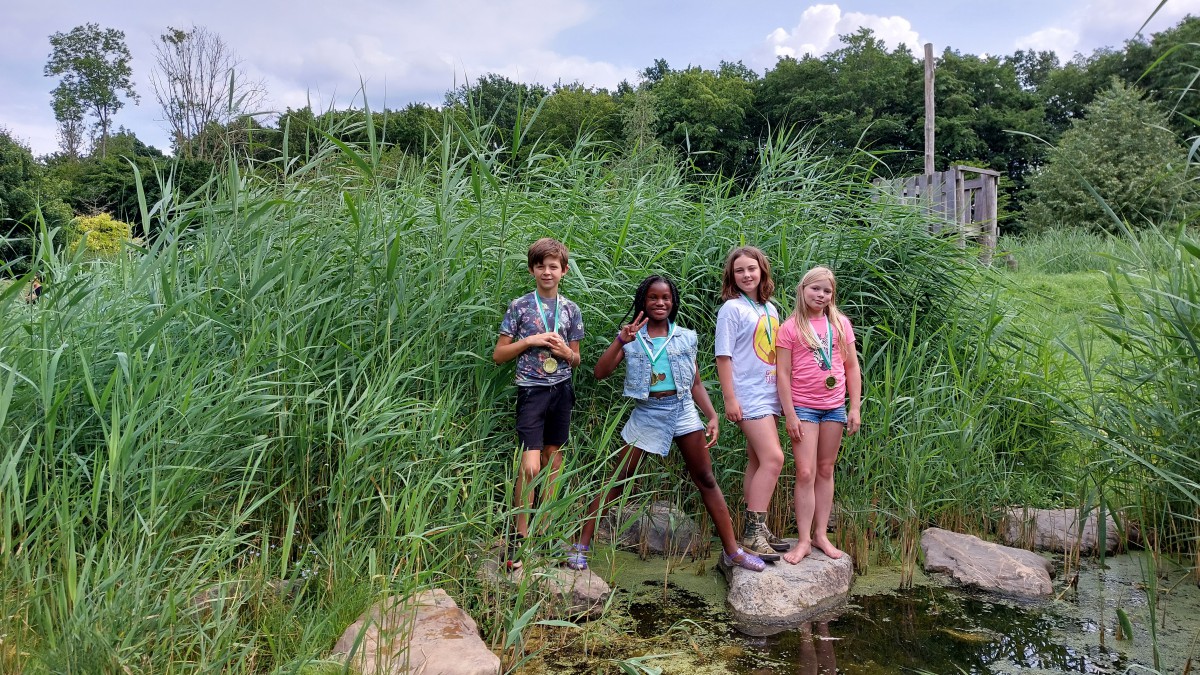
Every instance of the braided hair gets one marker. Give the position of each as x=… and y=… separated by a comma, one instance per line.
x=639, y=297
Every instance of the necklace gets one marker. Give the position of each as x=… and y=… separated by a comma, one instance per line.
x=644, y=339
x=549, y=364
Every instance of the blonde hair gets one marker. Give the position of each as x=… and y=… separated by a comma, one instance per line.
x=835, y=316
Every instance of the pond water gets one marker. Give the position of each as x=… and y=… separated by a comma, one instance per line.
x=676, y=621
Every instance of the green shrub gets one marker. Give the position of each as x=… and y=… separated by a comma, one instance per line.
x=105, y=235
x=1121, y=153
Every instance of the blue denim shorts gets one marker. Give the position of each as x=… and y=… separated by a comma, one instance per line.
x=656, y=422
x=816, y=416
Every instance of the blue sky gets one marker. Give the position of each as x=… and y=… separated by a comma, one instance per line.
x=415, y=50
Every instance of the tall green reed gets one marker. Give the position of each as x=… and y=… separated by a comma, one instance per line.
x=290, y=382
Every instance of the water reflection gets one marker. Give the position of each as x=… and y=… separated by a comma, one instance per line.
x=928, y=629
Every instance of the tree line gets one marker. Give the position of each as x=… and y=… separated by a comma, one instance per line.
x=861, y=96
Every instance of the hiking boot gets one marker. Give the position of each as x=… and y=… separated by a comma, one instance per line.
x=754, y=535
x=779, y=545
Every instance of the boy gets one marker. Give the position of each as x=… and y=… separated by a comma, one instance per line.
x=541, y=330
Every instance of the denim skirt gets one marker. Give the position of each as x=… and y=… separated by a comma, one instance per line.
x=656, y=422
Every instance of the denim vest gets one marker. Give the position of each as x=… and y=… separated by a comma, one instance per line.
x=681, y=352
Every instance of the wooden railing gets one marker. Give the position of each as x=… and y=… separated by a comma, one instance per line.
x=953, y=200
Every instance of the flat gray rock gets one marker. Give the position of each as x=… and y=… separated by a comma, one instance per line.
x=976, y=563
x=426, y=633
x=783, y=596
x=565, y=593
x=661, y=527
x=1058, y=530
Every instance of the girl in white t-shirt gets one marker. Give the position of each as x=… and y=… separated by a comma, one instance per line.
x=818, y=369
x=745, y=348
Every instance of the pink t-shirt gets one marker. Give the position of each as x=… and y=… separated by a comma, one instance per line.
x=808, y=380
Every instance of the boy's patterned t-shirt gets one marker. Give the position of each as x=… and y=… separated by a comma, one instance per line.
x=523, y=319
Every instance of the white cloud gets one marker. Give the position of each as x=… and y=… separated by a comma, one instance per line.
x=1058, y=40
x=819, y=28
x=1105, y=22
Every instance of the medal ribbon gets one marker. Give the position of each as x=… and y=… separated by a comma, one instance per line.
x=765, y=310
x=825, y=351
x=545, y=323
x=646, y=344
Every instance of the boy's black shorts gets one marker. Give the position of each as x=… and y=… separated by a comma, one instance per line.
x=544, y=415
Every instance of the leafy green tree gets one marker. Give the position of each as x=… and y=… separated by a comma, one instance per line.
x=703, y=113
x=93, y=67
x=1122, y=150
x=108, y=184
x=504, y=106
x=412, y=128
x=860, y=95
x=25, y=190
x=573, y=111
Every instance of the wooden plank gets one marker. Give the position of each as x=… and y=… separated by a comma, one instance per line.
x=929, y=112
x=975, y=169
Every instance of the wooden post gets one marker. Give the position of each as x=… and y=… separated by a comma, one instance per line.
x=928, y=108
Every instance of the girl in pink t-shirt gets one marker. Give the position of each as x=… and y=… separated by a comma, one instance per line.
x=818, y=369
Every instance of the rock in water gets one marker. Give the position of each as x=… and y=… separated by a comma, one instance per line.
x=784, y=596
x=976, y=563
x=426, y=633
x=662, y=528
x=1058, y=530
x=565, y=593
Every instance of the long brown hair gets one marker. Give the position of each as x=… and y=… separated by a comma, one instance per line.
x=766, y=285
x=836, y=318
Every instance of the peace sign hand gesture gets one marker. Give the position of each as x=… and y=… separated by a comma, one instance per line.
x=629, y=331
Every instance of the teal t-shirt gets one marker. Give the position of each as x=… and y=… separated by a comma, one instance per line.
x=661, y=377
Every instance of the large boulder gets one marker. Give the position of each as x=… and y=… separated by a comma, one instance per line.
x=659, y=528
x=783, y=595
x=976, y=563
x=565, y=593
x=426, y=633
x=1058, y=530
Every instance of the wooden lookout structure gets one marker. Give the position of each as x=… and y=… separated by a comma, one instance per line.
x=963, y=200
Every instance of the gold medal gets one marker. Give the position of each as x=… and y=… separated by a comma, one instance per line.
x=550, y=365
x=830, y=382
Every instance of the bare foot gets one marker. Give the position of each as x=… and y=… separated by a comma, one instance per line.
x=828, y=548
x=801, y=549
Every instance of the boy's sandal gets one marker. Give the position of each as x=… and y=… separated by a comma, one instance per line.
x=747, y=561
x=577, y=557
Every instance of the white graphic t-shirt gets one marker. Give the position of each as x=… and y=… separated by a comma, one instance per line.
x=746, y=333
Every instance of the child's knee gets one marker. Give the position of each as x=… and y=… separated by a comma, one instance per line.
x=531, y=464
x=825, y=471
x=805, y=475
x=704, y=480
x=771, y=462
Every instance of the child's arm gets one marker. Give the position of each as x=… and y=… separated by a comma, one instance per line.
x=733, y=408
x=783, y=383
x=507, y=350
x=612, y=357
x=700, y=395
x=854, y=389
x=574, y=359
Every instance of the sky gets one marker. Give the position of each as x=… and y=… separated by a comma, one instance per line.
x=329, y=53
